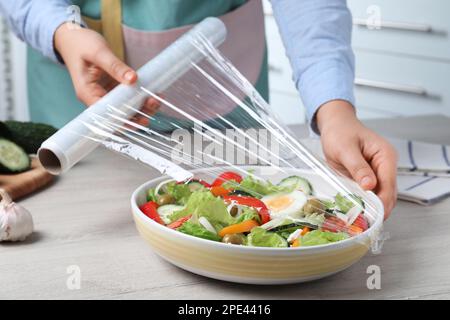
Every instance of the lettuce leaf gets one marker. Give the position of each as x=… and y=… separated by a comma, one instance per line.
x=256, y=188
x=285, y=234
x=198, y=231
x=151, y=195
x=345, y=203
x=318, y=237
x=316, y=219
x=203, y=204
x=248, y=214
x=180, y=192
x=327, y=203
x=259, y=237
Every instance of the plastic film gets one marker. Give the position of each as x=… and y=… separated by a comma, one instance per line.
x=222, y=147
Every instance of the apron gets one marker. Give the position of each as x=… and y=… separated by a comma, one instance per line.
x=126, y=24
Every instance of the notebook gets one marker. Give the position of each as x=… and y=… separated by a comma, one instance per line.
x=424, y=189
x=423, y=171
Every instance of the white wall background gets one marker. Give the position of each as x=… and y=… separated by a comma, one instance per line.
x=375, y=61
x=19, y=79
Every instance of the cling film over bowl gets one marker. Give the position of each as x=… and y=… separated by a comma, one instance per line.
x=236, y=174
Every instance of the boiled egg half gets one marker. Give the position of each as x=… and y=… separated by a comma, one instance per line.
x=285, y=204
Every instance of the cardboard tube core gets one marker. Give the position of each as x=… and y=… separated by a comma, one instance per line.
x=50, y=161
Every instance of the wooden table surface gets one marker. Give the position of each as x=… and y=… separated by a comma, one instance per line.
x=84, y=220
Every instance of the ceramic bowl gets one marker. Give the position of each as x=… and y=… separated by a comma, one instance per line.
x=254, y=265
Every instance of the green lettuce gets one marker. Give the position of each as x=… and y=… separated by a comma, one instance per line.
x=318, y=237
x=151, y=195
x=248, y=214
x=285, y=233
x=259, y=237
x=203, y=204
x=345, y=203
x=256, y=188
x=327, y=203
x=180, y=192
x=198, y=231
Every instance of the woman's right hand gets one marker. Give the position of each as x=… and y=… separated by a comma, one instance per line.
x=93, y=67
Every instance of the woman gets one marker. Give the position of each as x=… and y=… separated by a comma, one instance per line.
x=117, y=37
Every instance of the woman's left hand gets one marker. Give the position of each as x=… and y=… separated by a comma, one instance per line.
x=358, y=152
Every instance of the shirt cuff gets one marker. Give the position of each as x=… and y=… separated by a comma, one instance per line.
x=322, y=83
x=50, y=50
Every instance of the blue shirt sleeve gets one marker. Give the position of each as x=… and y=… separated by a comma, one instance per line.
x=317, y=38
x=35, y=21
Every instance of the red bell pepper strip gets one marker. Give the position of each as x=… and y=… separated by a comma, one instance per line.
x=251, y=202
x=334, y=224
x=178, y=223
x=264, y=214
x=361, y=222
x=204, y=183
x=226, y=176
x=150, y=210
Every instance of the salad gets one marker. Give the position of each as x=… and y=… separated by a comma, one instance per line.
x=250, y=212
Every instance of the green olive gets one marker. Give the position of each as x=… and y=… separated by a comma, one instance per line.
x=234, y=211
x=236, y=238
x=165, y=199
x=313, y=206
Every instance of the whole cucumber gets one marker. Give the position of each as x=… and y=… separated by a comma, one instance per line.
x=28, y=135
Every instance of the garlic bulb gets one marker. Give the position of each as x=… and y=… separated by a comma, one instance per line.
x=16, y=223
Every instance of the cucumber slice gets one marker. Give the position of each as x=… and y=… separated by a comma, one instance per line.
x=297, y=183
x=166, y=210
x=13, y=158
x=292, y=226
x=240, y=193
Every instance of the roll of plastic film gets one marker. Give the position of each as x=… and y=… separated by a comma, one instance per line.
x=69, y=145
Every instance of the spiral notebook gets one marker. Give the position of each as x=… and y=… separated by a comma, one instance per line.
x=424, y=171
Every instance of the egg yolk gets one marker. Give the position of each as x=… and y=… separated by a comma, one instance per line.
x=279, y=203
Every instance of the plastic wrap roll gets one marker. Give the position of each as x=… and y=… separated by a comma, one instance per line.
x=69, y=145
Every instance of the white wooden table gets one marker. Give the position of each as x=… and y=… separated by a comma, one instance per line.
x=84, y=220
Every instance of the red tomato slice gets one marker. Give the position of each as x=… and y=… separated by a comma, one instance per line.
x=333, y=224
x=361, y=222
x=226, y=176
x=150, y=210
